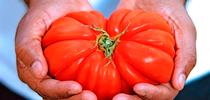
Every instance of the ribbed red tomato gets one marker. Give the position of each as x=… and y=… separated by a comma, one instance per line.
x=109, y=56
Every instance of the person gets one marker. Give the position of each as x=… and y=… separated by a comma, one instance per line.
x=32, y=67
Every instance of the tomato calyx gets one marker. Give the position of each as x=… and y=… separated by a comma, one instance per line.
x=106, y=43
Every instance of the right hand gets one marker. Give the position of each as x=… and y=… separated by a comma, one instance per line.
x=185, y=35
x=31, y=64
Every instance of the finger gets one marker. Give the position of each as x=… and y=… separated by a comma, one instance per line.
x=123, y=96
x=27, y=72
x=28, y=43
x=85, y=95
x=185, y=59
x=47, y=87
x=151, y=92
x=30, y=55
x=55, y=89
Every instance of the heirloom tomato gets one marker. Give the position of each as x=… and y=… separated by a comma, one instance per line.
x=109, y=56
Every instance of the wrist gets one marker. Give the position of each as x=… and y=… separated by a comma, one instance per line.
x=73, y=5
x=151, y=5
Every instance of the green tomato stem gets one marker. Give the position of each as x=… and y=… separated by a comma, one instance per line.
x=105, y=43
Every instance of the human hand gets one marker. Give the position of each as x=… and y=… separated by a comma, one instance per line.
x=31, y=64
x=185, y=35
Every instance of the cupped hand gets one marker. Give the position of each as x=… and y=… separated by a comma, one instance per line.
x=31, y=64
x=185, y=35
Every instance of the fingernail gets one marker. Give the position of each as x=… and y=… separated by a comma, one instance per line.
x=181, y=81
x=74, y=88
x=88, y=95
x=140, y=90
x=121, y=97
x=37, y=69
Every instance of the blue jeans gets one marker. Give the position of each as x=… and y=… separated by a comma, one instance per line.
x=196, y=90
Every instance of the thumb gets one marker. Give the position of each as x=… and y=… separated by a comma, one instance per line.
x=30, y=56
x=185, y=34
x=28, y=45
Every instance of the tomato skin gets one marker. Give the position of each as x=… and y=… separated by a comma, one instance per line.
x=114, y=22
x=146, y=60
x=144, y=53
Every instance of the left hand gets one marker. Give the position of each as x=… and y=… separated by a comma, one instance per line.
x=31, y=64
x=185, y=35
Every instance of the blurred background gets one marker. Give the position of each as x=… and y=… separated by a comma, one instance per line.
x=11, y=12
